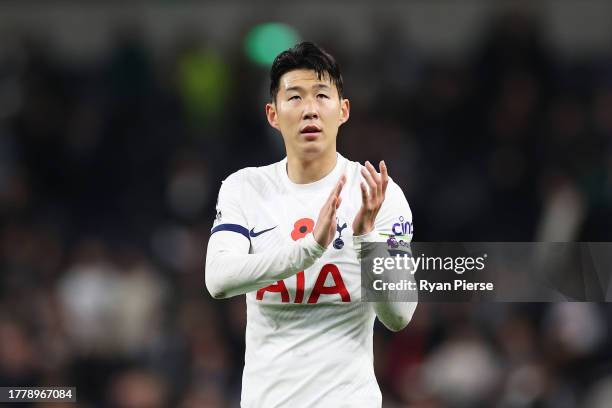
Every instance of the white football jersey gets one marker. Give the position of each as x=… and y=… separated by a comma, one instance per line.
x=308, y=336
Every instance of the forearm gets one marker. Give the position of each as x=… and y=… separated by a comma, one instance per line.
x=230, y=272
x=394, y=310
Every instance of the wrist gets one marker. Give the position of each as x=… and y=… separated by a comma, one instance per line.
x=363, y=230
x=366, y=237
x=312, y=245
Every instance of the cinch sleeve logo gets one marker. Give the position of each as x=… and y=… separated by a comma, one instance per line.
x=402, y=227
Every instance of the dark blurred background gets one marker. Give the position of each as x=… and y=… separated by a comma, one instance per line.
x=118, y=122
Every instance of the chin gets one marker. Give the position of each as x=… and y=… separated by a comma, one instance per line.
x=312, y=150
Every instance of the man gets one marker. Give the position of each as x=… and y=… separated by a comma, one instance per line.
x=288, y=235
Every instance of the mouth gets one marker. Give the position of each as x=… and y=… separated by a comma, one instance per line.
x=310, y=132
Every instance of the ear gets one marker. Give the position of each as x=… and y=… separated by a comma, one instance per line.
x=345, y=109
x=272, y=116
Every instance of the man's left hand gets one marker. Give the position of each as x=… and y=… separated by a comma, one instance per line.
x=372, y=197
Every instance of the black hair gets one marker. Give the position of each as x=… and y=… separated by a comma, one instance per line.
x=305, y=55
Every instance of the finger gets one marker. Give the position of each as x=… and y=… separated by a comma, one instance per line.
x=332, y=207
x=327, y=208
x=339, y=202
x=334, y=193
x=364, y=193
x=341, y=184
x=337, y=188
x=331, y=211
x=332, y=216
x=372, y=170
x=377, y=178
x=385, y=176
x=368, y=178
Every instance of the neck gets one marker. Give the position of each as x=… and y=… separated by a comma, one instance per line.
x=302, y=171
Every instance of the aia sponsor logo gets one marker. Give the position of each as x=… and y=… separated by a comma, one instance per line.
x=301, y=228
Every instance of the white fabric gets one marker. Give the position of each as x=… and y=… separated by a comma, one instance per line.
x=301, y=354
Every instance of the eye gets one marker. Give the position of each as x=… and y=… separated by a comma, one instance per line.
x=323, y=96
x=294, y=97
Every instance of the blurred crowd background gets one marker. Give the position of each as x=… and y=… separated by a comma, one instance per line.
x=110, y=165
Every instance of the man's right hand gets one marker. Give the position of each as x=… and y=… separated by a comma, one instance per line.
x=325, y=227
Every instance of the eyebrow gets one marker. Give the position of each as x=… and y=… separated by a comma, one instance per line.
x=299, y=88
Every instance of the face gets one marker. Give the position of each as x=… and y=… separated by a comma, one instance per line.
x=308, y=112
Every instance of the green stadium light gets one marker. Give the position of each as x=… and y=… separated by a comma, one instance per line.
x=266, y=41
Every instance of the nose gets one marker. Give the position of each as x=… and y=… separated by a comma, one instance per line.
x=310, y=110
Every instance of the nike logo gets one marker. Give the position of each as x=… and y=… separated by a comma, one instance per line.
x=254, y=234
